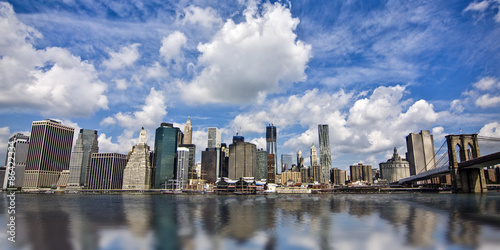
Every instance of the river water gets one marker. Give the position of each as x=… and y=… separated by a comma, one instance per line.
x=332, y=221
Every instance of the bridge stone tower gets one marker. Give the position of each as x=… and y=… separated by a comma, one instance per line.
x=470, y=180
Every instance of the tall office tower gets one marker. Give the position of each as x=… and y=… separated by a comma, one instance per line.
x=338, y=176
x=181, y=176
x=420, y=153
x=242, y=158
x=106, y=171
x=286, y=162
x=137, y=173
x=314, y=156
x=361, y=172
x=317, y=173
x=86, y=145
x=304, y=175
x=214, y=138
x=166, y=142
x=325, y=156
x=49, y=153
x=209, y=164
x=271, y=146
x=395, y=168
x=299, y=155
x=191, y=160
x=261, y=172
x=188, y=133
x=272, y=177
x=224, y=166
x=17, y=151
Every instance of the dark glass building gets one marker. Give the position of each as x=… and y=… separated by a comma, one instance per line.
x=85, y=146
x=167, y=139
x=271, y=145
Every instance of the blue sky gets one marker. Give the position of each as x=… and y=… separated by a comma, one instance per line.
x=375, y=71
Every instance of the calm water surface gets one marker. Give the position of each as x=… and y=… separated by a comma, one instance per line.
x=337, y=221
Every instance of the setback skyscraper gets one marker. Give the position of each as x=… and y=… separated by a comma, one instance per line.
x=314, y=156
x=49, y=153
x=137, y=173
x=325, y=156
x=188, y=133
x=85, y=146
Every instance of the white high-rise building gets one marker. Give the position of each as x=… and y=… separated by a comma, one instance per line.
x=214, y=138
x=17, y=151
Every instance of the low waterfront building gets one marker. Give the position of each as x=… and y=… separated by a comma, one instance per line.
x=361, y=172
x=338, y=176
x=289, y=175
x=106, y=171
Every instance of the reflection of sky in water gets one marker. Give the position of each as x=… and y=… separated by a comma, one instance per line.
x=399, y=221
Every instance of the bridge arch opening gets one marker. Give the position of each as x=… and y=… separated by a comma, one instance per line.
x=458, y=155
x=470, y=150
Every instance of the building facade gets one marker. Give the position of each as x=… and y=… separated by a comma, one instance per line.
x=138, y=171
x=314, y=156
x=325, y=156
x=86, y=144
x=395, y=168
x=182, y=168
x=242, y=159
x=210, y=159
x=165, y=159
x=261, y=172
x=214, y=138
x=361, y=172
x=106, y=171
x=49, y=153
x=338, y=176
x=295, y=177
x=421, y=152
x=286, y=162
x=15, y=160
x=188, y=133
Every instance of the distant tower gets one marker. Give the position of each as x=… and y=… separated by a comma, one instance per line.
x=271, y=145
x=85, y=145
x=166, y=142
x=286, y=162
x=214, y=138
x=420, y=153
x=17, y=151
x=137, y=173
x=182, y=168
x=314, y=156
x=49, y=153
x=188, y=133
x=325, y=156
x=242, y=159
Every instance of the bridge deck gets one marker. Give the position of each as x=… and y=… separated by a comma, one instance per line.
x=481, y=162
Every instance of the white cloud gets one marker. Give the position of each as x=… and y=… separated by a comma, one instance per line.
x=487, y=83
x=108, y=121
x=156, y=71
x=171, y=47
x=477, y=6
x=51, y=81
x=249, y=59
x=259, y=142
x=4, y=138
x=150, y=115
x=490, y=130
x=121, y=84
x=123, y=58
x=487, y=101
x=205, y=17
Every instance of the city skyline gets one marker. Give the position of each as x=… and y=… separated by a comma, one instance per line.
x=374, y=72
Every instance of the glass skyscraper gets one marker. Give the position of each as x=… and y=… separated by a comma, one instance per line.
x=271, y=146
x=325, y=157
x=166, y=142
x=286, y=162
x=85, y=145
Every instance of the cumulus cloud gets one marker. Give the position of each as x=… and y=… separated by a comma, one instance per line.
x=125, y=57
x=487, y=83
x=51, y=80
x=487, y=101
x=171, y=47
x=207, y=17
x=490, y=130
x=249, y=59
x=485, y=94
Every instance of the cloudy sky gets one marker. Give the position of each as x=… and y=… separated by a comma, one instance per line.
x=374, y=71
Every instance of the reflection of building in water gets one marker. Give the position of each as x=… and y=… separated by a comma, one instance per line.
x=242, y=221
x=421, y=227
x=48, y=225
x=359, y=207
x=165, y=225
x=460, y=231
x=83, y=232
x=397, y=213
x=136, y=210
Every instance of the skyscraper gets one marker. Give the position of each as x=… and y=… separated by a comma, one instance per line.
x=242, y=159
x=261, y=172
x=166, y=142
x=214, y=138
x=17, y=151
x=106, y=171
x=300, y=159
x=314, y=156
x=420, y=153
x=49, y=153
x=271, y=146
x=188, y=133
x=325, y=156
x=137, y=173
x=181, y=176
x=85, y=145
